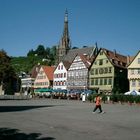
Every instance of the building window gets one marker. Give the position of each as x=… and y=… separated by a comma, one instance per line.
x=101, y=71
x=139, y=83
x=106, y=61
x=105, y=81
x=61, y=67
x=138, y=60
x=92, y=81
x=101, y=62
x=110, y=81
x=96, y=71
x=133, y=83
x=92, y=72
x=64, y=74
x=110, y=69
x=64, y=83
x=132, y=71
x=96, y=81
x=101, y=81
x=139, y=71
x=105, y=70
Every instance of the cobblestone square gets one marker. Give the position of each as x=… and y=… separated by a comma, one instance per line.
x=48, y=119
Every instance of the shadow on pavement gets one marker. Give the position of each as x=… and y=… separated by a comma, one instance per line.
x=20, y=108
x=14, y=134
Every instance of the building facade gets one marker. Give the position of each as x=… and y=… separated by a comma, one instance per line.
x=78, y=73
x=44, y=78
x=134, y=73
x=60, y=76
x=108, y=72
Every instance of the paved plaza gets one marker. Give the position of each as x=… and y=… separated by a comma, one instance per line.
x=54, y=119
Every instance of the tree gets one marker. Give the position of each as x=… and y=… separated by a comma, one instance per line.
x=75, y=48
x=7, y=73
x=31, y=53
x=40, y=51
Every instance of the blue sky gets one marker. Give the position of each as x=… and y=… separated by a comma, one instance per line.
x=113, y=24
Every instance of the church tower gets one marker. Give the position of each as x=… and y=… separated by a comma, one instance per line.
x=64, y=45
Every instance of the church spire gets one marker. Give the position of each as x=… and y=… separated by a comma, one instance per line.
x=66, y=16
x=65, y=44
x=65, y=38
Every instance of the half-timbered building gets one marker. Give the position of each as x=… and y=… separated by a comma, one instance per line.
x=78, y=73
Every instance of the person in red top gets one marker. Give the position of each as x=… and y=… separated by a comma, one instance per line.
x=98, y=104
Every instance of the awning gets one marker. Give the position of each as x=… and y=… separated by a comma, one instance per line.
x=43, y=90
x=60, y=90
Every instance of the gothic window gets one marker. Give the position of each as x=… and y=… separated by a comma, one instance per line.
x=64, y=74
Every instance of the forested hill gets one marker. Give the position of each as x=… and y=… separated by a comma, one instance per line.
x=40, y=55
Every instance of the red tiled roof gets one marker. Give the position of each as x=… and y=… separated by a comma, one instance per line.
x=49, y=71
x=115, y=58
x=34, y=71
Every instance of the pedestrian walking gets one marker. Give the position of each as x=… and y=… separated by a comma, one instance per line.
x=98, y=104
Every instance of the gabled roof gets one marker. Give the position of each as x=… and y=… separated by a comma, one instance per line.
x=133, y=58
x=34, y=71
x=116, y=59
x=85, y=60
x=49, y=71
x=73, y=52
x=66, y=64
